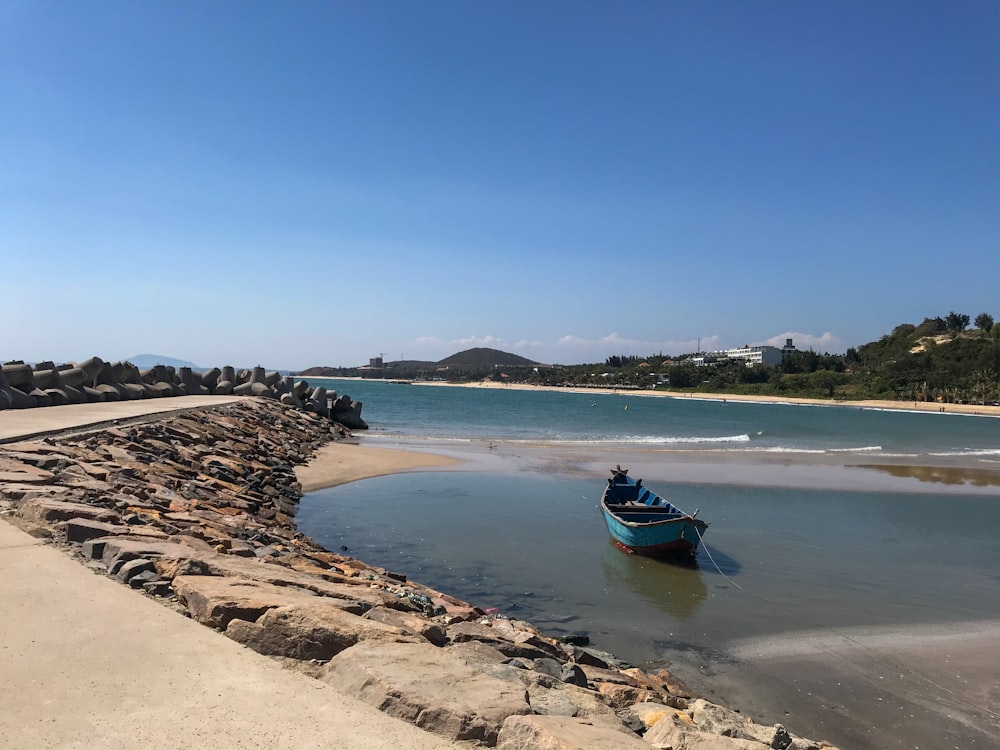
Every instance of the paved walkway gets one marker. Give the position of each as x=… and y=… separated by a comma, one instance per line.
x=23, y=423
x=88, y=663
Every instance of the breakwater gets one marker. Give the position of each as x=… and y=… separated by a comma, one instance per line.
x=24, y=386
x=198, y=509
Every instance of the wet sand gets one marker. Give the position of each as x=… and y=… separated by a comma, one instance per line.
x=365, y=457
x=875, y=686
x=346, y=461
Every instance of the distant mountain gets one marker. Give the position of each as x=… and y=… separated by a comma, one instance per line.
x=483, y=357
x=145, y=361
x=479, y=358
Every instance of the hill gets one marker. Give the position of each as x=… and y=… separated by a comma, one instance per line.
x=479, y=361
x=484, y=357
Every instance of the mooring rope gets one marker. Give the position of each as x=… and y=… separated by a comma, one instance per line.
x=705, y=547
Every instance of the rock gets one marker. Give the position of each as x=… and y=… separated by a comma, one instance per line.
x=409, y=623
x=586, y=656
x=573, y=675
x=576, y=639
x=563, y=733
x=548, y=666
x=509, y=640
x=678, y=732
x=317, y=630
x=650, y=713
x=587, y=703
x=132, y=568
x=723, y=721
x=429, y=687
x=79, y=530
x=215, y=601
x=548, y=702
x=50, y=510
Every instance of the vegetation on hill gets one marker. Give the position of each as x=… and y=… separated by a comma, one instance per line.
x=471, y=364
x=942, y=359
x=484, y=357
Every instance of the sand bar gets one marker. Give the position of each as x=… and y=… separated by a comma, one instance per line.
x=339, y=463
x=342, y=462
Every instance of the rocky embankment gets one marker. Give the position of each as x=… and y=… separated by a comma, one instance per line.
x=198, y=509
x=24, y=386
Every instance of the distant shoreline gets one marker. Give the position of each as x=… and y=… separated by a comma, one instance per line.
x=921, y=406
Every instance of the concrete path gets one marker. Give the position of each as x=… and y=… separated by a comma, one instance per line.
x=26, y=423
x=89, y=663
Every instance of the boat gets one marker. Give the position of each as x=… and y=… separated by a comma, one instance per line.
x=641, y=522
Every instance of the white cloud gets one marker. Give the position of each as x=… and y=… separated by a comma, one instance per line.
x=489, y=342
x=827, y=342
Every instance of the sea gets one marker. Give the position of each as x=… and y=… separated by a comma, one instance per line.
x=779, y=560
x=571, y=418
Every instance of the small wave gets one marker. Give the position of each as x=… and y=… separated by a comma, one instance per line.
x=866, y=449
x=783, y=449
x=630, y=440
x=653, y=439
x=970, y=452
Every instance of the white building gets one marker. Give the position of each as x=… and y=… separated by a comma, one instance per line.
x=757, y=355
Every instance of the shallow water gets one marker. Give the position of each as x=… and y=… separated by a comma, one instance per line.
x=774, y=559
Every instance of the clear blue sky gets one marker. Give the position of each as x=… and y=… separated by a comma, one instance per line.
x=313, y=183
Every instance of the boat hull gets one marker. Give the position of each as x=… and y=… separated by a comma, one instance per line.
x=664, y=539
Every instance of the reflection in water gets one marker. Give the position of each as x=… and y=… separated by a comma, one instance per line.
x=942, y=474
x=674, y=588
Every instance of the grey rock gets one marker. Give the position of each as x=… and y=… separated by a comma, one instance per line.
x=128, y=570
x=428, y=686
x=573, y=675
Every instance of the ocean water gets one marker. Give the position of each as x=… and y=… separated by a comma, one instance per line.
x=773, y=559
x=596, y=419
x=776, y=561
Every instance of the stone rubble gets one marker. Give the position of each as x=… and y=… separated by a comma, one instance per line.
x=198, y=509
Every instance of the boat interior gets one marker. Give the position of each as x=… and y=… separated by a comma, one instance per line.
x=625, y=496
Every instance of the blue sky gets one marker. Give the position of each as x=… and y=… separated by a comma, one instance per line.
x=315, y=183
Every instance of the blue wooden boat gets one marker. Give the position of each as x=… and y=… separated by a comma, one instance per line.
x=642, y=522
